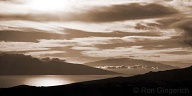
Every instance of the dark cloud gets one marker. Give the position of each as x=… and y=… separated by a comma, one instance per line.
x=72, y=33
x=99, y=14
x=73, y=56
x=147, y=45
x=186, y=25
x=179, y=53
x=151, y=45
x=32, y=35
x=127, y=12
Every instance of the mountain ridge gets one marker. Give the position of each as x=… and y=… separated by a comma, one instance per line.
x=130, y=66
x=19, y=64
x=124, y=61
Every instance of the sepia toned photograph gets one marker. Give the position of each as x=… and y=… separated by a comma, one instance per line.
x=95, y=47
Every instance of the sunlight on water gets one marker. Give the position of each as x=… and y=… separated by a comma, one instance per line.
x=46, y=81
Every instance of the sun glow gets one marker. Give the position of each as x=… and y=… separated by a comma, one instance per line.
x=49, y=5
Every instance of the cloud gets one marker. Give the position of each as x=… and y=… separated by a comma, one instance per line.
x=20, y=46
x=27, y=46
x=28, y=35
x=137, y=52
x=29, y=26
x=144, y=38
x=11, y=9
x=83, y=43
x=41, y=54
x=33, y=35
x=110, y=13
x=126, y=12
x=105, y=27
x=182, y=3
x=73, y=33
x=186, y=26
x=95, y=30
x=84, y=48
x=113, y=29
x=87, y=41
x=92, y=41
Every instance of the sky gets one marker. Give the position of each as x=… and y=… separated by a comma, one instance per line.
x=81, y=31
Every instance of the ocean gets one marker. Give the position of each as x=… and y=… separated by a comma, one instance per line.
x=48, y=80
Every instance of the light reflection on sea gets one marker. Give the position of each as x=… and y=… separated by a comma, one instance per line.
x=47, y=80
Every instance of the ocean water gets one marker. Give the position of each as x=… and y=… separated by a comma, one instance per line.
x=48, y=80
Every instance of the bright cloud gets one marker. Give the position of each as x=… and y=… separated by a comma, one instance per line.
x=23, y=25
x=41, y=54
x=27, y=46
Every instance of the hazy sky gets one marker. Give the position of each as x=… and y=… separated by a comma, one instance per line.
x=88, y=30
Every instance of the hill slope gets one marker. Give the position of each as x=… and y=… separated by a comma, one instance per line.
x=18, y=64
x=178, y=81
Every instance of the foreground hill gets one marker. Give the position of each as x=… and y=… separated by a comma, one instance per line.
x=18, y=64
x=171, y=82
x=130, y=66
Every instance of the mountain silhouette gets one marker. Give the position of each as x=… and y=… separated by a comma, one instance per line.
x=130, y=66
x=156, y=83
x=18, y=64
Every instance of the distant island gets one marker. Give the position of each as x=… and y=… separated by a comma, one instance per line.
x=170, y=82
x=130, y=66
x=19, y=64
